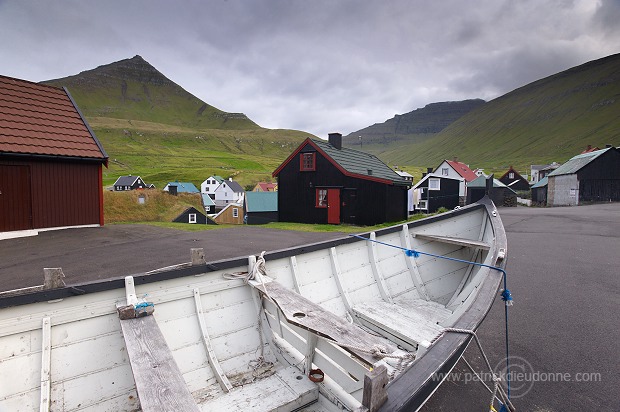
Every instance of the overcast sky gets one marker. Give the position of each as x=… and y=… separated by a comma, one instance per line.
x=314, y=65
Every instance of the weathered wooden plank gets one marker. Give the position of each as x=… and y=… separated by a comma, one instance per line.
x=159, y=381
x=46, y=360
x=375, y=393
x=376, y=270
x=307, y=315
x=213, y=362
x=455, y=241
x=344, y=295
x=413, y=322
x=412, y=265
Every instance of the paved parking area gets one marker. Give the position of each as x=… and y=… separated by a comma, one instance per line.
x=563, y=268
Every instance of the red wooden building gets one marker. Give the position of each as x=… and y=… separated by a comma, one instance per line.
x=50, y=160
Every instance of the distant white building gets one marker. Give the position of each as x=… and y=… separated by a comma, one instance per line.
x=208, y=186
x=227, y=192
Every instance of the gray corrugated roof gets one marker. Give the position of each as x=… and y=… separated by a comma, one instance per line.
x=577, y=163
x=236, y=187
x=360, y=163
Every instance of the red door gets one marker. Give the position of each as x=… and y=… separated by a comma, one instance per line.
x=333, y=206
x=15, y=202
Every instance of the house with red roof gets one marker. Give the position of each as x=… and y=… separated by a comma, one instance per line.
x=456, y=169
x=51, y=163
x=265, y=187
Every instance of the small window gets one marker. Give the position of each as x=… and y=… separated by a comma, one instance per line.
x=192, y=218
x=422, y=205
x=235, y=213
x=433, y=184
x=321, y=198
x=444, y=171
x=511, y=175
x=307, y=162
x=208, y=208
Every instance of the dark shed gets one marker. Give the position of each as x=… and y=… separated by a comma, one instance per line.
x=436, y=191
x=499, y=193
x=323, y=182
x=50, y=160
x=191, y=215
x=514, y=180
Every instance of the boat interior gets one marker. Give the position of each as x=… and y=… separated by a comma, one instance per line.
x=311, y=329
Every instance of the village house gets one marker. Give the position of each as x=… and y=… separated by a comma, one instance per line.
x=129, y=183
x=454, y=168
x=265, y=187
x=261, y=207
x=51, y=162
x=227, y=192
x=210, y=184
x=180, y=187
x=232, y=214
x=191, y=215
x=435, y=191
x=593, y=176
x=323, y=182
x=500, y=194
x=514, y=180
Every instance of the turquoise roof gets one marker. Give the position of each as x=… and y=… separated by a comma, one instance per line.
x=577, y=163
x=184, y=187
x=261, y=201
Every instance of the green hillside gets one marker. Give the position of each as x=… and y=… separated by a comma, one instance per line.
x=548, y=120
x=151, y=127
x=416, y=126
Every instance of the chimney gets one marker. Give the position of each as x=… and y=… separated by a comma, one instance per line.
x=429, y=170
x=335, y=139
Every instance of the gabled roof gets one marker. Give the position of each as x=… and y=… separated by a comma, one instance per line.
x=481, y=182
x=261, y=201
x=578, y=162
x=41, y=120
x=267, y=187
x=352, y=163
x=236, y=187
x=462, y=169
x=228, y=206
x=436, y=176
x=517, y=175
x=184, y=187
x=126, y=180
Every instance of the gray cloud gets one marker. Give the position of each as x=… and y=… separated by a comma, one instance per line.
x=320, y=65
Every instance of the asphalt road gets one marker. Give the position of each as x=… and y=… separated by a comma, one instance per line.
x=563, y=274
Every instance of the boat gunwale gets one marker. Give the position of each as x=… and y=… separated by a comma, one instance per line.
x=118, y=282
x=410, y=390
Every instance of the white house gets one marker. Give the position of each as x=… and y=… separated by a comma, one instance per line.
x=208, y=186
x=227, y=192
x=453, y=168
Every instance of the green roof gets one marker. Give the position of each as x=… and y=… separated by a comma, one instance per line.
x=577, y=163
x=541, y=183
x=361, y=163
x=481, y=182
x=261, y=201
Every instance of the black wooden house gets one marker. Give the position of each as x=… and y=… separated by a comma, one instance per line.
x=514, y=180
x=435, y=191
x=323, y=182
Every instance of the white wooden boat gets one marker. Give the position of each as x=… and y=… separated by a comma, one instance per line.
x=346, y=324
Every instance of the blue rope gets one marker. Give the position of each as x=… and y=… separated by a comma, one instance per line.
x=506, y=295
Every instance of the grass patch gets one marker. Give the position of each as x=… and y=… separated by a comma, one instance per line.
x=159, y=206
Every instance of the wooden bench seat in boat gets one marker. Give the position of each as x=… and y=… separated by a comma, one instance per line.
x=308, y=315
x=286, y=390
x=409, y=321
x=159, y=382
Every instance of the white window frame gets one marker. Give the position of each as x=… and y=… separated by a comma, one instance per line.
x=511, y=175
x=192, y=218
x=433, y=180
x=235, y=213
x=423, y=204
x=445, y=171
